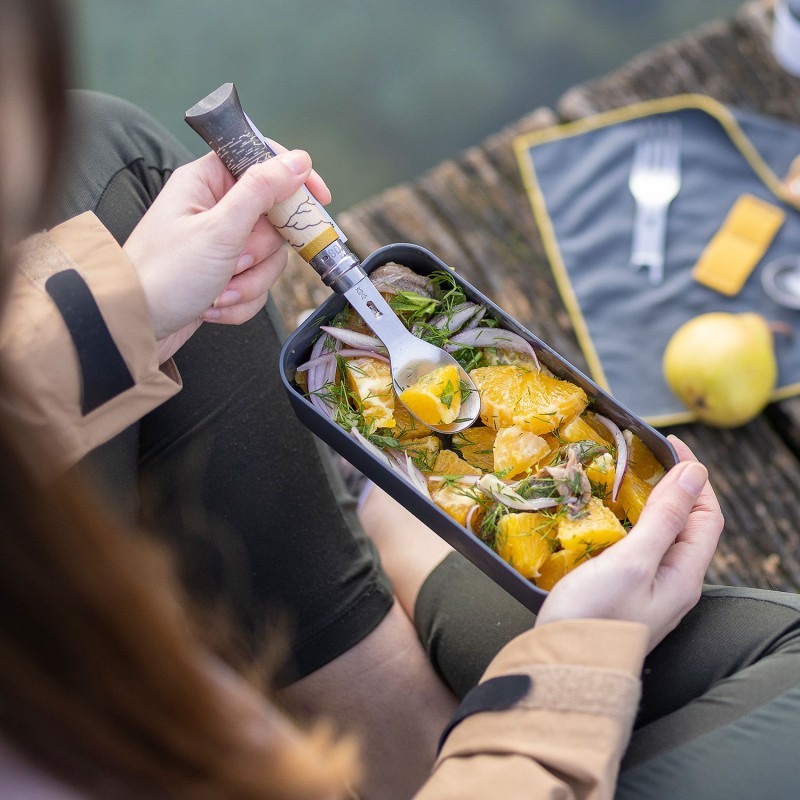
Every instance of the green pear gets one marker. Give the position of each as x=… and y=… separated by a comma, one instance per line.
x=722, y=367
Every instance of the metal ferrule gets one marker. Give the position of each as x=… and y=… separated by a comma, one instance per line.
x=338, y=267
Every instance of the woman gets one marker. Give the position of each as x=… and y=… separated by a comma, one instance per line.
x=74, y=670
x=108, y=687
x=203, y=447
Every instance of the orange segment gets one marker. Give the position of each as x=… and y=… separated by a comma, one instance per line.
x=601, y=471
x=553, y=442
x=454, y=499
x=578, y=430
x=525, y=541
x=371, y=382
x=598, y=427
x=448, y=463
x=595, y=528
x=516, y=450
x=436, y=397
x=475, y=446
x=407, y=427
x=642, y=461
x=535, y=401
x=556, y=566
x=633, y=494
x=423, y=451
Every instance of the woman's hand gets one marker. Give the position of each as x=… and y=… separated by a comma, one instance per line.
x=655, y=574
x=205, y=251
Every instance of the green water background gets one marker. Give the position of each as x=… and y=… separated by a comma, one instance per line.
x=376, y=91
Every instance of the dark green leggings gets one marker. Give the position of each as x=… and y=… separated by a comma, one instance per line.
x=224, y=471
x=720, y=711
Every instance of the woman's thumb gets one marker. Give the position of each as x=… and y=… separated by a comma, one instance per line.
x=261, y=187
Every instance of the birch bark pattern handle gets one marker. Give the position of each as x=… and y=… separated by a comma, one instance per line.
x=221, y=122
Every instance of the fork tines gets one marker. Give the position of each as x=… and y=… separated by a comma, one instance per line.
x=654, y=181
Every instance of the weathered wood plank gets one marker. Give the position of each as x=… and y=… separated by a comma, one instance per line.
x=731, y=61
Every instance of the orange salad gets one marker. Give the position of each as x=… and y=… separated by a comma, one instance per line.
x=542, y=478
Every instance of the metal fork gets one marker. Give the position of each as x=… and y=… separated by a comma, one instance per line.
x=654, y=181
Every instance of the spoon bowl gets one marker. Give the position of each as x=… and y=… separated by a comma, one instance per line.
x=410, y=357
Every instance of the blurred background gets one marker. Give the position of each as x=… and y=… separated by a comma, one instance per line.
x=376, y=91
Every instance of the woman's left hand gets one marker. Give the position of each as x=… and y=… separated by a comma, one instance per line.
x=655, y=574
x=204, y=251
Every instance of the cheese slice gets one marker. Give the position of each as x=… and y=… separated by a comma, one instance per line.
x=740, y=243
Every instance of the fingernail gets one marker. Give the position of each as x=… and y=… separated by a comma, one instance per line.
x=298, y=161
x=211, y=314
x=227, y=298
x=693, y=478
x=246, y=260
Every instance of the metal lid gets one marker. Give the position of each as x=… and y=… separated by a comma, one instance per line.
x=780, y=279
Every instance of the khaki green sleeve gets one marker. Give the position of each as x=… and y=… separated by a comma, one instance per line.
x=39, y=356
x=564, y=738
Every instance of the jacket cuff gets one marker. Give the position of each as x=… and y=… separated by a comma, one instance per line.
x=596, y=643
x=552, y=678
x=51, y=357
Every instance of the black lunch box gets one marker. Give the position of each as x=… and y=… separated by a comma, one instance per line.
x=296, y=350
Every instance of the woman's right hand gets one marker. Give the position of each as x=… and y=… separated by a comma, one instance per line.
x=204, y=251
x=655, y=574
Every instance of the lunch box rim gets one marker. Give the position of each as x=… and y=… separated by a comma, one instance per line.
x=295, y=351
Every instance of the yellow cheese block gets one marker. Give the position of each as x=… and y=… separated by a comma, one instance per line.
x=736, y=248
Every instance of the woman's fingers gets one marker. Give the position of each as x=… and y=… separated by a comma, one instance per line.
x=262, y=243
x=237, y=314
x=316, y=185
x=690, y=555
x=246, y=293
x=257, y=191
x=664, y=516
x=682, y=449
x=695, y=545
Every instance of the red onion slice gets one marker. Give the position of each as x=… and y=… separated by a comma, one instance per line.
x=470, y=519
x=622, y=452
x=318, y=377
x=346, y=353
x=491, y=337
x=316, y=352
x=456, y=317
x=362, y=341
x=400, y=463
x=473, y=321
x=416, y=477
x=368, y=445
x=327, y=375
x=493, y=487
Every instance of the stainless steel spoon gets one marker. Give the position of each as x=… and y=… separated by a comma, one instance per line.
x=222, y=123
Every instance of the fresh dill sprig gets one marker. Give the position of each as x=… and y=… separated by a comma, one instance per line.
x=413, y=307
x=383, y=441
x=487, y=530
x=450, y=293
x=447, y=394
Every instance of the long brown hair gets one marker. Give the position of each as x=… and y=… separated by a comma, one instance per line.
x=103, y=677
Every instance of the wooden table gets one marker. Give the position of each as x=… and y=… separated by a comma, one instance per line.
x=473, y=213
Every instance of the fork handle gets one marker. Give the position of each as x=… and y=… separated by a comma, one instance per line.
x=649, y=240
